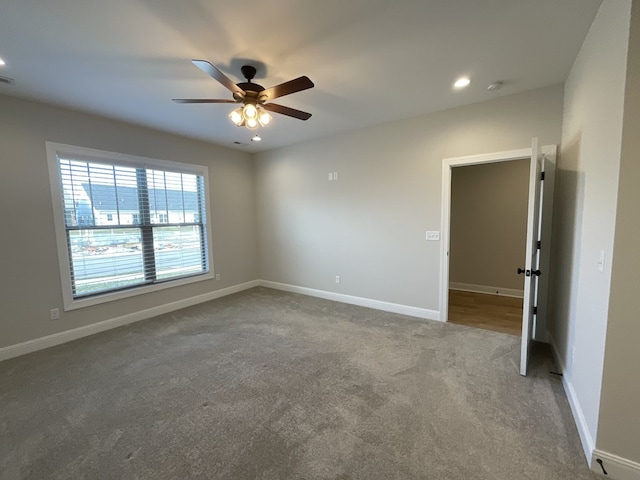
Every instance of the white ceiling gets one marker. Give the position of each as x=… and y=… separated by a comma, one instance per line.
x=372, y=61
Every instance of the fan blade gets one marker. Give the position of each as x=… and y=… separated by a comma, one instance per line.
x=287, y=88
x=216, y=74
x=201, y=100
x=290, y=112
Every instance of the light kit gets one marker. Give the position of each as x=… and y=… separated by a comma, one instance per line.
x=250, y=116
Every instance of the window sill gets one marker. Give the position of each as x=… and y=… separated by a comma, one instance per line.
x=74, y=304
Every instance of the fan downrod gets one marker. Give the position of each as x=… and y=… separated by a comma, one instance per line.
x=252, y=90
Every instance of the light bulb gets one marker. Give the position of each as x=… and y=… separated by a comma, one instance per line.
x=250, y=111
x=251, y=123
x=264, y=118
x=462, y=82
x=236, y=116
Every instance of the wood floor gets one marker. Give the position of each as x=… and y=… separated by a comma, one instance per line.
x=491, y=312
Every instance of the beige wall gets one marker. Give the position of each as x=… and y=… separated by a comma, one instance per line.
x=584, y=217
x=619, y=421
x=489, y=224
x=30, y=275
x=369, y=225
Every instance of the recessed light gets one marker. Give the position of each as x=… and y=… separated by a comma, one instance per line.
x=462, y=82
x=257, y=138
x=2, y=62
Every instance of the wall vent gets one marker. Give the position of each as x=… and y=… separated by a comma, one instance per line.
x=6, y=80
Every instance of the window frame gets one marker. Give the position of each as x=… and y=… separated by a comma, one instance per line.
x=54, y=150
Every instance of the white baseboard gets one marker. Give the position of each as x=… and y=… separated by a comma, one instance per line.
x=586, y=438
x=617, y=468
x=76, y=333
x=470, y=287
x=360, y=301
x=41, y=343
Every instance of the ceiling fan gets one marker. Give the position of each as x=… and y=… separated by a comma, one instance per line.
x=252, y=96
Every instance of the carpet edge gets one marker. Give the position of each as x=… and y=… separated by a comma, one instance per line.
x=65, y=336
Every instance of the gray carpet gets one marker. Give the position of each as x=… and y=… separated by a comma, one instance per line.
x=272, y=385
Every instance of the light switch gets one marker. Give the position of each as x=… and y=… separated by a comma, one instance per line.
x=433, y=236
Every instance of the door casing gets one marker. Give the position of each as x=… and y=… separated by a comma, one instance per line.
x=549, y=151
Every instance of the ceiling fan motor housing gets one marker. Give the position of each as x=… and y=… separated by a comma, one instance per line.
x=252, y=89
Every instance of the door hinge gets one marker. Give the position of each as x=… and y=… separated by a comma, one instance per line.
x=534, y=310
x=539, y=244
x=541, y=175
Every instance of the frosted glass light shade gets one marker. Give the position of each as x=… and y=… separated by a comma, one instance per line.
x=264, y=118
x=249, y=111
x=236, y=116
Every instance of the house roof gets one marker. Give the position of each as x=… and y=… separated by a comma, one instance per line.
x=103, y=198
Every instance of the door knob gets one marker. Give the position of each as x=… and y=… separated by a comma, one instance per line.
x=537, y=273
x=520, y=270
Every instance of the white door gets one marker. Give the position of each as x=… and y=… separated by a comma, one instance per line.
x=532, y=256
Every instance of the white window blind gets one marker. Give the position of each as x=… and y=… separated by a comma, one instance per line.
x=128, y=225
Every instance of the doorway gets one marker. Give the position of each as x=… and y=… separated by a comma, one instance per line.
x=535, y=265
x=488, y=228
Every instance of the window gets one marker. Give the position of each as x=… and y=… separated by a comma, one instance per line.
x=126, y=224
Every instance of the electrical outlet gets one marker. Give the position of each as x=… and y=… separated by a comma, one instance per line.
x=217, y=277
x=54, y=314
x=338, y=279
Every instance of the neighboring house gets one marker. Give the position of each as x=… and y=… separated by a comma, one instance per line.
x=167, y=206
x=81, y=214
